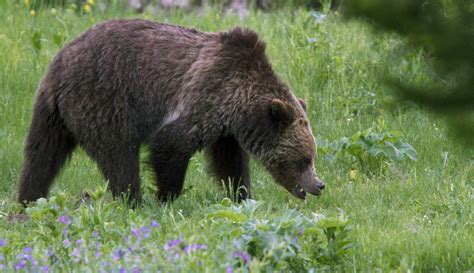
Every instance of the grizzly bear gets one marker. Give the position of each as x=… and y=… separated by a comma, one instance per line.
x=124, y=83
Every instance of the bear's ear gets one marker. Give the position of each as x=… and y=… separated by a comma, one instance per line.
x=303, y=104
x=281, y=112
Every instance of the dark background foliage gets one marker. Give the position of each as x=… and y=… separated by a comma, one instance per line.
x=444, y=31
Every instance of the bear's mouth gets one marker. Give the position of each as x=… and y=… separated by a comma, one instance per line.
x=300, y=193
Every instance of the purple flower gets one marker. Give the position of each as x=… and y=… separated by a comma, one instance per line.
x=301, y=231
x=118, y=254
x=2, y=242
x=95, y=234
x=49, y=252
x=66, y=242
x=146, y=232
x=98, y=254
x=26, y=256
x=229, y=269
x=242, y=255
x=136, y=232
x=122, y=270
x=75, y=254
x=137, y=270
x=79, y=242
x=1, y=257
x=154, y=224
x=20, y=265
x=2, y=266
x=64, y=219
x=193, y=247
x=45, y=269
x=171, y=244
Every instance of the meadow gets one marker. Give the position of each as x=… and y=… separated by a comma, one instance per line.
x=399, y=190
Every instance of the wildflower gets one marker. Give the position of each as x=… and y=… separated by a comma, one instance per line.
x=318, y=16
x=242, y=255
x=64, y=219
x=26, y=2
x=87, y=8
x=2, y=242
x=118, y=254
x=171, y=244
x=66, y=242
x=75, y=254
x=49, y=252
x=32, y=13
x=45, y=269
x=20, y=265
x=137, y=270
x=26, y=256
x=353, y=174
x=79, y=242
x=229, y=269
x=154, y=224
x=53, y=11
x=95, y=234
x=146, y=232
x=193, y=247
x=136, y=232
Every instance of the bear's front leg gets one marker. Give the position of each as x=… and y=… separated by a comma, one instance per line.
x=169, y=162
x=230, y=164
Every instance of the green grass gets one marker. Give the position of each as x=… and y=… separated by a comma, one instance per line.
x=414, y=216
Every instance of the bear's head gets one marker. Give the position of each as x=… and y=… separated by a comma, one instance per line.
x=272, y=124
x=290, y=158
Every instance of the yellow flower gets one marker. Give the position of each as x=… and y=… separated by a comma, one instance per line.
x=353, y=174
x=90, y=2
x=53, y=11
x=32, y=13
x=26, y=2
x=87, y=8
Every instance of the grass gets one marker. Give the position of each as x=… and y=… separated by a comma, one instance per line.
x=408, y=216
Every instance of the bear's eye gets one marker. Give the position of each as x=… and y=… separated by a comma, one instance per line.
x=306, y=161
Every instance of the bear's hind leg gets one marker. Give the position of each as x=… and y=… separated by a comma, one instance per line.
x=47, y=148
x=230, y=164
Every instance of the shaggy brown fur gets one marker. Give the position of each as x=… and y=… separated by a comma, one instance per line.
x=124, y=83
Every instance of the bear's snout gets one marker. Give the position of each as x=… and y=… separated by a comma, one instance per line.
x=308, y=183
x=320, y=184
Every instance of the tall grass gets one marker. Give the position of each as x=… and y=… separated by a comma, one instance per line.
x=414, y=216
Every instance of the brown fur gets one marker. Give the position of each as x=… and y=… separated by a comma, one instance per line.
x=124, y=83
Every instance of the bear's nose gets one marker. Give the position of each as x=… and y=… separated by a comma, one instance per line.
x=321, y=185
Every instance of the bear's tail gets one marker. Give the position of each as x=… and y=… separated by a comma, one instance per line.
x=48, y=145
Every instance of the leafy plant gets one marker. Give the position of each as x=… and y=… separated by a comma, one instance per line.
x=275, y=243
x=369, y=151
